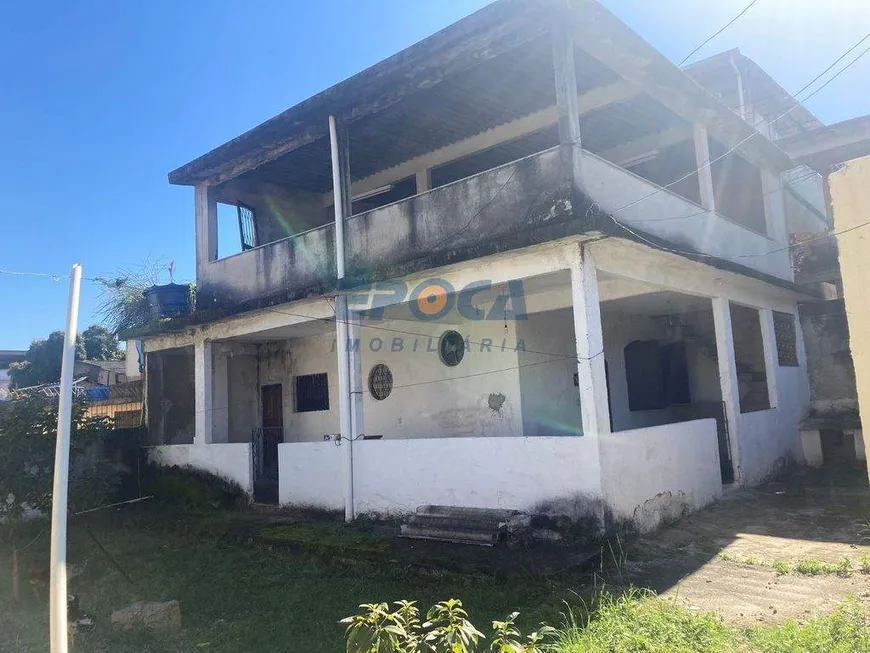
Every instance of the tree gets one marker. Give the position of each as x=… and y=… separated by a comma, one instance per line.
x=42, y=362
x=100, y=344
x=28, y=429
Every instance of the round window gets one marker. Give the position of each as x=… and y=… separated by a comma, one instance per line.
x=380, y=382
x=451, y=348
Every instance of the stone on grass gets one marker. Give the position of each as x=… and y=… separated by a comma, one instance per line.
x=162, y=616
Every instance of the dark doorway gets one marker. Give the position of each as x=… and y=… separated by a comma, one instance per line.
x=266, y=440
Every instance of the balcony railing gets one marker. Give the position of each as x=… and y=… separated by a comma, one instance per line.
x=485, y=213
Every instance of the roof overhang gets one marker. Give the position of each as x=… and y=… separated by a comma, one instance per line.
x=827, y=146
x=484, y=35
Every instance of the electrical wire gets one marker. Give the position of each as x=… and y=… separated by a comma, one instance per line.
x=717, y=33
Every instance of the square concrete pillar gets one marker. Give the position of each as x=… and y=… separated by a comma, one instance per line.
x=590, y=347
x=203, y=373
x=811, y=441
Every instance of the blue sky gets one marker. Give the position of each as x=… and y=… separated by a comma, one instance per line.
x=100, y=99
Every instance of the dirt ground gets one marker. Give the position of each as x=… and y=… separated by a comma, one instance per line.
x=722, y=558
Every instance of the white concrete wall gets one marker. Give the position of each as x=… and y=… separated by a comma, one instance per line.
x=396, y=476
x=228, y=460
x=620, y=328
x=613, y=188
x=550, y=400
x=655, y=474
x=432, y=400
x=769, y=438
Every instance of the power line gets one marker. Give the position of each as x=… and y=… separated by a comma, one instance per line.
x=722, y=29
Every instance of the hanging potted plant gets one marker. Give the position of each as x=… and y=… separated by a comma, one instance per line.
x=169, y=299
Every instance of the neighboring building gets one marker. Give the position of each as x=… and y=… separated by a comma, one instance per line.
x=7, y=357
x=842, y=153
x=551, y=301
x=109, y=392
x=101, y=372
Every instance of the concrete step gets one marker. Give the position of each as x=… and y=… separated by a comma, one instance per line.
x=458, y=524
x=454, y=534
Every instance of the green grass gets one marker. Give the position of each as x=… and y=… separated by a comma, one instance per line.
x=639, y=622
x=846, y=631
x=805, y=567
x=642, y=623
x=238, y=595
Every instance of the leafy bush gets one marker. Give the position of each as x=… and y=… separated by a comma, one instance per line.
x=447, y=629
x=192, y=489
x=28, y=434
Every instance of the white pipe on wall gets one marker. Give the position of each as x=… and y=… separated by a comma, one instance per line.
x=339, y=193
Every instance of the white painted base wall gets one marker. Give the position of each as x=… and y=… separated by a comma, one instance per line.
x=646, y=475
x=651, y=475
x=396, y=476
x=230, y=460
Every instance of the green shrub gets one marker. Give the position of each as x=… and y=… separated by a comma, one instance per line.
x=447, y=629
x=192, y=489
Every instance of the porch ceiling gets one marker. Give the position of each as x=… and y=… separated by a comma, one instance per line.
x=301, y=330
x=658, y=303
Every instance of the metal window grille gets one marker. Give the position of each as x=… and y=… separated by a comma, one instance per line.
x=247, y=226
x=786, y=339
x=312, y=393
x=380, y=382
x=451, y=348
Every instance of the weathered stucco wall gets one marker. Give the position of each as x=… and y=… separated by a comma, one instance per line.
x=615, y=190
x=230, y=461
x=850, y=199
x=829, y=358
x=620, y=328
x=170, y=401
x=550, y=400
x=396, y=476
x=657, y=474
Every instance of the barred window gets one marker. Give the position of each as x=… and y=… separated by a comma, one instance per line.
x=786, y=339
x=312, y=393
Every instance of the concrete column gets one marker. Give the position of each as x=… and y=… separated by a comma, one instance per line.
x=206, y=226
x=590, y=347
x=771, y=358
x=357, y=381
x=705, y=172
x=203, y=383
x=811, y=441
x=424, y=181
x=728, y=377
x=220, y=397
x=566, y=85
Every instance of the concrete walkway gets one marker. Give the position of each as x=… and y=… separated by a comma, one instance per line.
x=723, y=558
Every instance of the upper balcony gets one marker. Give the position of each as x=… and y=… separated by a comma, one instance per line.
x=466, y=144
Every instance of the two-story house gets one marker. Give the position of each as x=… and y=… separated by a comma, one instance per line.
x=526, y=263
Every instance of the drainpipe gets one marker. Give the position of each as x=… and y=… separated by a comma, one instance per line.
x=740, y=94
x=341, y=204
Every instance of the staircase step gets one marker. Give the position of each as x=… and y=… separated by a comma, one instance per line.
x=441, y=522
x=457, y=535
x=462, y=512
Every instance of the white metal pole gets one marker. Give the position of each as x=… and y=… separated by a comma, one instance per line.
x=342, y=208
x=58, y=596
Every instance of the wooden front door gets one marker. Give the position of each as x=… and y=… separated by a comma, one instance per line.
x=268, y=437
